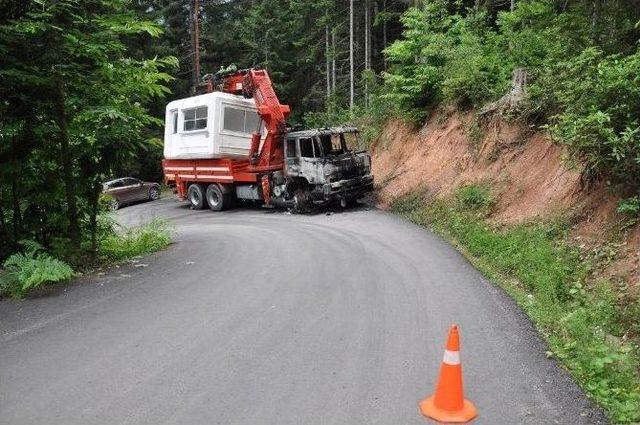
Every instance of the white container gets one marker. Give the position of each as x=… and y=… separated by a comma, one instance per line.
x=212, y=125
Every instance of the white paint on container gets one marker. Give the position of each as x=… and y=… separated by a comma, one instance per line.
x=212, y=125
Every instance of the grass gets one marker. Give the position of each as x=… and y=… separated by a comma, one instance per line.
x=582, y=320
x=118, y=246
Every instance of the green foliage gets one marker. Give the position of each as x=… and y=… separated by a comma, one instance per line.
x=74, y=110
x=582, y=69
x=25, y=271
x=630, y=206
x=474, y=197
x=600, y=100
x=585, y=326
x=151, y=237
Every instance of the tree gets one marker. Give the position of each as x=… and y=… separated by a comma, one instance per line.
x=76, y=83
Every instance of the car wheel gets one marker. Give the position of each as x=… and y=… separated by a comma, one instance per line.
x=114, y=205
x=154, y=193
x=215, y=198
x=195, y=195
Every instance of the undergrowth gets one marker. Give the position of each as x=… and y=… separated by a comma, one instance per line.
x=585, y=326
x=27, y=270
x=33, y=267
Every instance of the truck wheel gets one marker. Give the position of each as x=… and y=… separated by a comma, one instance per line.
x=195, y=195
x=215, y=198
x=301, y=201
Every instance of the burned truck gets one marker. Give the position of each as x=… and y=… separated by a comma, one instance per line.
x=328, y=165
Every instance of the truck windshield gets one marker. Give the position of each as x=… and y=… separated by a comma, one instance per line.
x=332, y=144
x=352, y=141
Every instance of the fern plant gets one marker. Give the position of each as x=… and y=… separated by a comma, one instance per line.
x=27, y=270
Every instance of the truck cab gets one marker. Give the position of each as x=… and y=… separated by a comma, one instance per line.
x=326, y=165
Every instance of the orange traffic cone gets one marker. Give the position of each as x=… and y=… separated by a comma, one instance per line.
x=448, y=403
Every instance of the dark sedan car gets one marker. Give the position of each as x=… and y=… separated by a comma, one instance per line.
x=127, y=190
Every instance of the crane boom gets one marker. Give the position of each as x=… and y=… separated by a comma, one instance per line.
x=257, y=84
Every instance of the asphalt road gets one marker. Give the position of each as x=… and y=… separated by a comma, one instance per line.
x=261, y=317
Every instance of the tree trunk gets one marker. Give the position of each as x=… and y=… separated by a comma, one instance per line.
x=327, y=60
x=67, y=163
x=17, y=217
x=3, y=223
x=367, y=47
x=384, y=32
x=513, y=5
x=351, y=76
x=93, y=220
x=333, y=60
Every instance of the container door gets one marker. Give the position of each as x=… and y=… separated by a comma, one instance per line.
x=174, y=137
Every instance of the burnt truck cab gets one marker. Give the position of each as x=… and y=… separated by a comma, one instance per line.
x=328, y=164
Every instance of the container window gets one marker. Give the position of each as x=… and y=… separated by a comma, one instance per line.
x=240, y=120
x=233, y=119
x=195, y=119
x=251, y=122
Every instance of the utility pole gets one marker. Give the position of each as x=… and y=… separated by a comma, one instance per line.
x=196, y=44
x=352, y=86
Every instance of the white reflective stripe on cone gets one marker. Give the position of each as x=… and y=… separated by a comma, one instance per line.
x=451, y=357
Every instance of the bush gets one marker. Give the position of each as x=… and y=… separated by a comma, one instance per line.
x=151, y=237
x=600, y=120
x=30, y=269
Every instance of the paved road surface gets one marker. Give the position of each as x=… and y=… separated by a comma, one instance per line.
x=260, y=317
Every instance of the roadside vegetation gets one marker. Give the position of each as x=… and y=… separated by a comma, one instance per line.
x=32, y=267
x=590, y=329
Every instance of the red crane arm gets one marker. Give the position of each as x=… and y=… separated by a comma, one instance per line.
x=257, y=84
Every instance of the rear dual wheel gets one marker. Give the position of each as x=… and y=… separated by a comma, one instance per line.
x=196, y=196
x=213, y=195
x=217, y=199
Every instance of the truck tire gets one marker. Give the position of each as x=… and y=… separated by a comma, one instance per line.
x=215, y=197
x=302, y=202
x=195, y=195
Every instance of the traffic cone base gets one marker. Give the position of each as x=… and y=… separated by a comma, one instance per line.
x=429, y=409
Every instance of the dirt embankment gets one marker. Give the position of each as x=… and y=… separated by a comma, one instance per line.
x=531, y=177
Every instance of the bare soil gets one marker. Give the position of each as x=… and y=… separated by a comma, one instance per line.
x=532, y=178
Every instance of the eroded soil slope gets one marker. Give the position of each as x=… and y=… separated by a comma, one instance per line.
x=531, y=178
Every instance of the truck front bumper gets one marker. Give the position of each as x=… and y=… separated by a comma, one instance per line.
x=348, y=189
